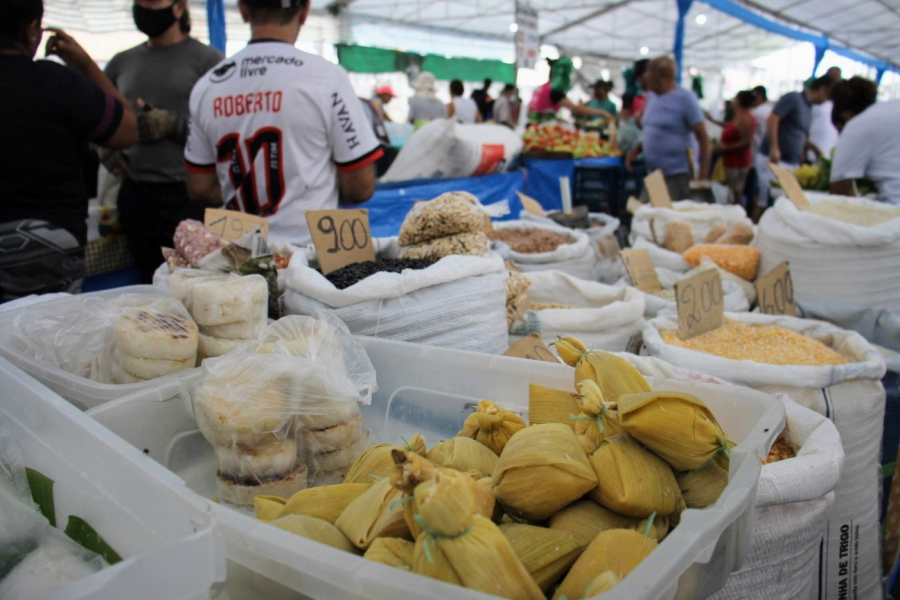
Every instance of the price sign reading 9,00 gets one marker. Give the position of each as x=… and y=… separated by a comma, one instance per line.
x=701, y=306
x=341, y=237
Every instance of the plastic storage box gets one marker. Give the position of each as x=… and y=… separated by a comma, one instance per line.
x=80, y=391
x=167, y=537
x=431, y=390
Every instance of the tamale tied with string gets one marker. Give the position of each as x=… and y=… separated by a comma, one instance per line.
x=377, y=462
x=547, y=554
x=703, y=487
x=393, y=552
x=326, y=502
x=492, y=426
x=374, y=514
x=315, y=529
x=585, y=519
x=597, y=419
x=463, y=454
x=268, y=508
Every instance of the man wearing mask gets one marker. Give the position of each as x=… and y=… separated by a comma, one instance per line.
x=157, y=77
x=276, y=132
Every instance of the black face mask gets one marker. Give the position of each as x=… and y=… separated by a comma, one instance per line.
x=153, y=22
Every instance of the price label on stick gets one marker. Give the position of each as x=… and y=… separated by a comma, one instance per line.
x=701, y=304
x=640, y=270
x=532, y=348
x=790, y=185
x=775, y=292
x=233, y=225
x=341, y=237
x=657, y=191
x=531, y=205
x=633, y=204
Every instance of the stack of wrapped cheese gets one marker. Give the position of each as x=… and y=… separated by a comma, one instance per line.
x=147, y=343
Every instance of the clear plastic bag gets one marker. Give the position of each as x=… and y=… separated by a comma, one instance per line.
x=285, y=409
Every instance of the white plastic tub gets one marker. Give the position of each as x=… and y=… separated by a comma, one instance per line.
x=170, y=545
x=80, y=391
x=431, y=390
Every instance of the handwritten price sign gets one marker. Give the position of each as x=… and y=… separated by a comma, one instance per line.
x=701, y=306
x=341, y=237
x=775, y=292
x=233, y=225
x=640, y=270
x=532, y=348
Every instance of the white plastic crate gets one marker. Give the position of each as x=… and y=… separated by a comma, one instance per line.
x=431, y=390
x=167, y=537
x=80, y=391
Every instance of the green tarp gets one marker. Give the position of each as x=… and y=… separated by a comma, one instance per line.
x=363, y=59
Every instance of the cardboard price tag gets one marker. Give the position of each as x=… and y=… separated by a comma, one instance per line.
x=790, y=185
x=701, y=304
x=640, y=270
x=531, y=205
x=609, y=248
x=488, y=224
x=775, y=292
x=655, y=184
x=633, y=204
x=233, y=225
x=341, y=237
x=532, y=348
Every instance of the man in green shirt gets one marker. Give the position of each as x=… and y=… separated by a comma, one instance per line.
x=601, y=97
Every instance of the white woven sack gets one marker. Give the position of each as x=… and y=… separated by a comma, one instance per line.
x=459, y=302
x=699, y=215
x=578, y=259
x=832, y=261
x=612, y=315
x=792, y=505
x=852, y=397
x=660, y=256
x=735, y=298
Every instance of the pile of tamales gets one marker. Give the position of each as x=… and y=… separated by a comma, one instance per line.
x=565, y=507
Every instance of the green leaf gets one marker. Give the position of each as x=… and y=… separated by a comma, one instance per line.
x=42, y=494
x=79, y=530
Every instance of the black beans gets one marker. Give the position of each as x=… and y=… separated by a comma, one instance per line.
x=347, y=276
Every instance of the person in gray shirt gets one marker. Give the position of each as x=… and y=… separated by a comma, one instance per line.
x=425, y=106
x=157, y=77
x=787, y=135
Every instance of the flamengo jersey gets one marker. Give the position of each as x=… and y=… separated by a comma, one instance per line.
x=276, y=125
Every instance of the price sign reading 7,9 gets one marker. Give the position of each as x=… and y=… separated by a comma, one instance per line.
x=775, y=292
x=341, y=237
x=233, y=225
x=701, y=306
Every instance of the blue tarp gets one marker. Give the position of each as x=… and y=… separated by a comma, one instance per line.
x=388, y=207
x=215, y=18
x=543, y=177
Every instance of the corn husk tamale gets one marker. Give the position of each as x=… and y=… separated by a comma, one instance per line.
x=543, y=469
x=376, y=462
x=394, y=552
x=615, y=375
x=326, y=502
x=492, y=426
x=410, y=470
x=570, y=349
x=463, y=454
x=374, y=514
x=602, y=584
x=632, y=480
x=268, y=508
x=548, y=405
x=618, y=551
x=703, y=487
x=460, y=547
x=597, y=419
x=677, y=427
x=546, y=554
x=315, y=529
x=585, y=519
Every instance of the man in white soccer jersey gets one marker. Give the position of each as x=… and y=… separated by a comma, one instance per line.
x=275, y=131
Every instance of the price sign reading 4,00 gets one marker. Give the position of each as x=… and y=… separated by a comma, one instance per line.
x=701, y=305
x=775, y=292
x=341, y=237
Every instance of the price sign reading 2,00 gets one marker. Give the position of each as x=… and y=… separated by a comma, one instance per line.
x=700, y=304
x=710, y=297
x=352, y=234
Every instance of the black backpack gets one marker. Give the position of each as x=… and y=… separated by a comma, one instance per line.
x=37, y=257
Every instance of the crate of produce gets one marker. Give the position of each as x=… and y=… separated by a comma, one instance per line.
x=160, y=540
x=432, y=391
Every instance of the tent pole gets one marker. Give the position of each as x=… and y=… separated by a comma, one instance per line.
x=215, y=18
x=678, y=50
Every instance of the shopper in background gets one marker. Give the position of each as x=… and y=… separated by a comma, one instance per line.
x=671, y=117
x=306, y=144
x=383, y=97
x=822, y=132
x=463, y=110
x=157, y=77
x=601, y=97
x=735, y=145
x=551, y=97
x=483, y=100
x=787, y=130
x=424, y=107
x=758, y=188
x=869, y=143
x=48, y=114
x=504, y=105
x=628, y=134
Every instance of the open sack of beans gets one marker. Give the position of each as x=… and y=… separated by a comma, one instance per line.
x=545, y=247
x=455, y=302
